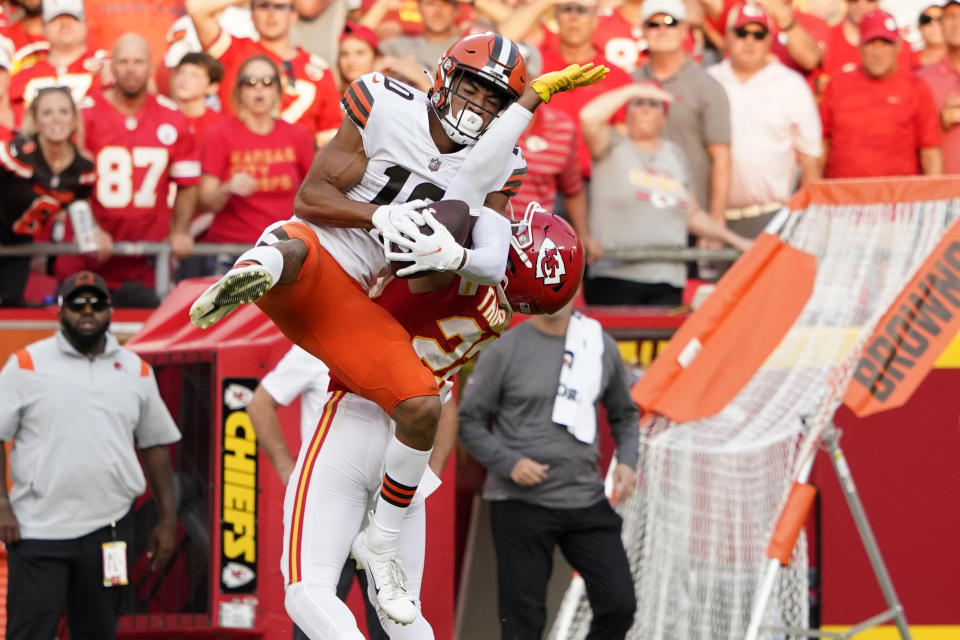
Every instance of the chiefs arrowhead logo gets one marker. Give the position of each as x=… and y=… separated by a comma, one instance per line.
x=235, y=575
x=237, y=396
x=550, y=267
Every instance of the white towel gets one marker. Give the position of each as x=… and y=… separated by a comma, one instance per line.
x=580, y=377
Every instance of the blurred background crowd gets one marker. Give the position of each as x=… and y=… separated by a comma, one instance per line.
x=188, y=121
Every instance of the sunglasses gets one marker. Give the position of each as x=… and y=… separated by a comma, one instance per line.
x=276, y=6
x=667, y=22
x=252, y=81
x=743, y=32
x=80, y=303
x=926, y=19
x=579, y=9
x=646, y=102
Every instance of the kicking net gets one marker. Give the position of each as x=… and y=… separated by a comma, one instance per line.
x=711, y=489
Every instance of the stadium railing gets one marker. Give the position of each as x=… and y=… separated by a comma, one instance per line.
x=164, y=266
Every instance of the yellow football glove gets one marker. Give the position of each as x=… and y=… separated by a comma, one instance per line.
x=576, y=75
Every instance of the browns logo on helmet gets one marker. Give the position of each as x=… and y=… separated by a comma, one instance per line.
x=545, y=264
x=488, y=58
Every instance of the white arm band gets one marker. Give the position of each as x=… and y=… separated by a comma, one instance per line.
x=487, y=261
x=480, y=173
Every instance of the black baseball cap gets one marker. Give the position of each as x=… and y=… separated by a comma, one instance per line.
x=83, y=280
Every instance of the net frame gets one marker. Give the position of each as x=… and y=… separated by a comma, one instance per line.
x=870, y=238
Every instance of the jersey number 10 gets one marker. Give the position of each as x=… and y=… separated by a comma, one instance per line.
x=398, y=177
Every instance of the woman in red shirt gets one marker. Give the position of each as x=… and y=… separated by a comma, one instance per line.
x=252, y=162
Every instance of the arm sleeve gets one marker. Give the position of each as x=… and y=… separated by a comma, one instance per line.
x=213, y=155
x=156, y=426
x=809, y=136
x=10, y=400
x=496, y=148
x=570, y=179
x=716, y=114
x=926, y=117
x=84, y=190
x=826, y=105
x=329, y=116
x=185, y=163
x=622, y=413
x=357, y=101
x=487, y=261
x=478, y=406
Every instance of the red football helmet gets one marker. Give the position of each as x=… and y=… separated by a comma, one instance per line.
x=545, y=266
x=487, y=56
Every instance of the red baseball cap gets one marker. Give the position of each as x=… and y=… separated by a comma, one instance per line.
x=748, y=13
x=360, y=32
x=878, y=24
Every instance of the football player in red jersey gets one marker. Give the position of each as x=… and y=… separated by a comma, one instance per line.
x=68, y=62
x=397, y=146
x=140, y=144
x=449, y=321
x=310, y=95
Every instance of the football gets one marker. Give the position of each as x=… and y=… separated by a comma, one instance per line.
x=455, y=216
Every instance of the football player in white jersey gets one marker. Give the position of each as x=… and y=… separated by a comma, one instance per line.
x=310, y=274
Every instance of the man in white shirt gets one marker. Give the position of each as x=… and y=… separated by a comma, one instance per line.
x=775, y=125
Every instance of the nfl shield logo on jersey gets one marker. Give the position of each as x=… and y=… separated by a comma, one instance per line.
x=434, y=164
x=167, y=134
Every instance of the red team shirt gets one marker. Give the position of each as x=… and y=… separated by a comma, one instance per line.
x=877, y=127
x=82, y=76
x=137, y=158
x=202, y=125
x=448, y=327
x=310, y=96
x=278, y=161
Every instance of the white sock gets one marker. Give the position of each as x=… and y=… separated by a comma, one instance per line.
x=403, y=468
x=270, y=257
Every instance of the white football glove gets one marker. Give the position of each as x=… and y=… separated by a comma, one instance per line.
x=399, y=218
x=436, y=252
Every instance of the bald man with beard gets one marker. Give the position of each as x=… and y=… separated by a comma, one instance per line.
x=140, y=143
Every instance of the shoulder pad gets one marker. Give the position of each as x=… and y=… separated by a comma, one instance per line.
x=357, y=101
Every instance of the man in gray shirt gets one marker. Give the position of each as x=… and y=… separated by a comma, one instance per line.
x=543, y=480
x=699, y=119
x=77, y=407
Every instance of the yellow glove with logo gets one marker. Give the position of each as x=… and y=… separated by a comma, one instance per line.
x=576, y=75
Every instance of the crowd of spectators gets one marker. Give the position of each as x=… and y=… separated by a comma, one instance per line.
x=201, y=116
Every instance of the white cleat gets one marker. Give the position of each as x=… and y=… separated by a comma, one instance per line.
x=239, y=286
x=387, y=575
